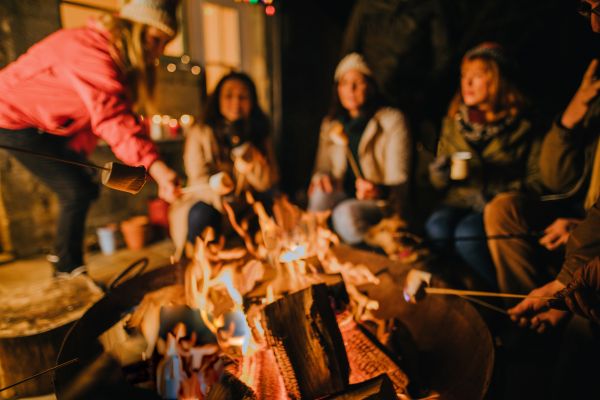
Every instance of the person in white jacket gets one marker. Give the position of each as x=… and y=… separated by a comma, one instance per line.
x=364, y=155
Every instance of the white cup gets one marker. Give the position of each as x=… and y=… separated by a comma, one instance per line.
x=459, y=166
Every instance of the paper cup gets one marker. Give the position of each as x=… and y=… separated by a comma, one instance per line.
x=459, y=166
x=107, y=238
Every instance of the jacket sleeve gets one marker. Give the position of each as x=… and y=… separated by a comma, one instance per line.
x=323, y=164
x=95, y=79
x=263, y=173
x=561, y=159
x=398, y=161
x=583, y=244
x=438, y=171
x=196, y=161
x=533, y=181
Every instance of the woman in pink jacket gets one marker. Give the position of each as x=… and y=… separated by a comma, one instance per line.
x=78, y=85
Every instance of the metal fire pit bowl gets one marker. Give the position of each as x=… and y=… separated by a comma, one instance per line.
x=82, y=339
x=452, y=344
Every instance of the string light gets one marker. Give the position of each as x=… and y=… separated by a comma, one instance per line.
x=171, y=67
x=270, y=10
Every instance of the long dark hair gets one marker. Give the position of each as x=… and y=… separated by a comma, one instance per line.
x=257, y=126
x=374, y=101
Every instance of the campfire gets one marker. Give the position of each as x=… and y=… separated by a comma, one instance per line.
x=283, y=313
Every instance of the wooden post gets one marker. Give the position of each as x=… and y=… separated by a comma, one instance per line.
x=302, y=331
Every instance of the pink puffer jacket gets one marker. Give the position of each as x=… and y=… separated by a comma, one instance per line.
x=68, y=85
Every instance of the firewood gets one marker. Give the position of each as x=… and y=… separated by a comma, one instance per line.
x=303, y=333
x=378, y=388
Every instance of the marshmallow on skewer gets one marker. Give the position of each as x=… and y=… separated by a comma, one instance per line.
x=221, y=183
x=338, y=136
x=123, y=177
x=414, y=285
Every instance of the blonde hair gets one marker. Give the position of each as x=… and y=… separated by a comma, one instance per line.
x=128, y=52
x=505, y=98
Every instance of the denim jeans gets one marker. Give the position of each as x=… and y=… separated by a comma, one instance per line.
x=75, y=187
x=351, y=218
x=200, y=217
x=448, y=223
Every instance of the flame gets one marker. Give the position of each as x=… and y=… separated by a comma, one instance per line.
x=229, y=325
x=291, y=242
x=296, y=252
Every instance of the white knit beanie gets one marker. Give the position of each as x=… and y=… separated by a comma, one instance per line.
x=157, y=13
x=352, y=61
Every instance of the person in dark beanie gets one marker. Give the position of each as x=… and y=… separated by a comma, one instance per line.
x=79, y=85
x=487, y=147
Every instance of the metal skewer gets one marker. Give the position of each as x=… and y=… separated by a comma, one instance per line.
x=458, y=292
x=40, y=373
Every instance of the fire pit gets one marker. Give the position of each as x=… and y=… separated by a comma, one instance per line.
x=292, y=331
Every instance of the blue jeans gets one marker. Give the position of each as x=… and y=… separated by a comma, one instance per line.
x=351, y=218
x=447, y=224
x=200, y=217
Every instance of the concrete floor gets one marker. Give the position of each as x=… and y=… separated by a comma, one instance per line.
x=101, y=268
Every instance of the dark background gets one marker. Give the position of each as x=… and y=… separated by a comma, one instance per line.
x=419, y=69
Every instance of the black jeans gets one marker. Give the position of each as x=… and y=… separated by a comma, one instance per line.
x=76, y=188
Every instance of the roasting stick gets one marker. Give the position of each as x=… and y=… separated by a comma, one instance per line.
x=353, y=164
x=485, y=304
x=40, y=373
x=338, y=136
x=458, y=292
x=49, y=157
x=114, y=175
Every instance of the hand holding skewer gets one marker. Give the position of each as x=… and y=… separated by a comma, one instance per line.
x=339, y=137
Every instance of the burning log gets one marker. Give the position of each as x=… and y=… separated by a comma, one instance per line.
x=307, y=343
x=230, y=387
x=378, y=388
x=366, y=359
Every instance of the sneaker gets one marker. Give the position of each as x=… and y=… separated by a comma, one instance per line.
x=81, y=270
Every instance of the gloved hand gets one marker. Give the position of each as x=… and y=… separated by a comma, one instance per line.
x=439, y=171
x=582, y=294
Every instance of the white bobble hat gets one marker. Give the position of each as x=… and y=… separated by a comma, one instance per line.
x=349, y=62
x=157, y=13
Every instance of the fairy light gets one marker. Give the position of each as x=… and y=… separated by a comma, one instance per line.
x=196, y=70
x=270, y=10
x=171, y=67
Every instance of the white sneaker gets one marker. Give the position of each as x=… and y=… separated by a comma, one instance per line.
x=68, y=275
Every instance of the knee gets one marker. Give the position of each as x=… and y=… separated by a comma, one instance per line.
x=502, y=211
x=317, y=201
x=201, y=214
x=438, y=225
x=346, y=222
